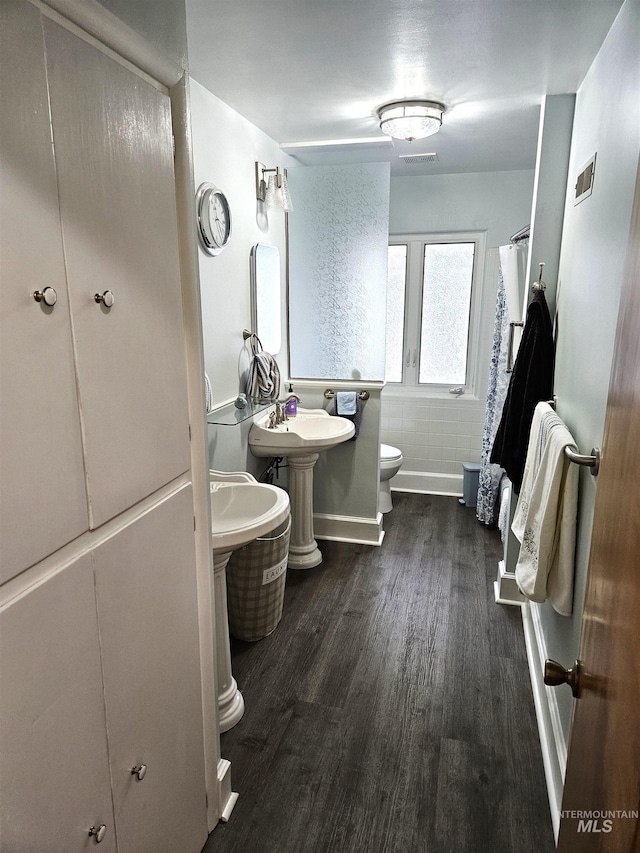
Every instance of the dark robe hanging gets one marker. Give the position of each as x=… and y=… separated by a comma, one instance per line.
x=531, y=382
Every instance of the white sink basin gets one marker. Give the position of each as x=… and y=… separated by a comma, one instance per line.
x=242, y=510
x=310, y=431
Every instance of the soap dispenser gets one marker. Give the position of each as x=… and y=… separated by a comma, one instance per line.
x=291, y=407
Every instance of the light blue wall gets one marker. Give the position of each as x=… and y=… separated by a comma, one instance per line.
x=496, y=202
x=225, y=148
x=594, y=242
x=435, y=431
x=338, y=235
x=552, y=165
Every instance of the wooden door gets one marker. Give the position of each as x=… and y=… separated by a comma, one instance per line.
x=148, y=618
x=113, y=145
x=603, y=770
x=54, y=768
x=43, y=501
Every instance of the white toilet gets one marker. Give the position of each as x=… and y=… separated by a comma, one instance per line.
x=390, y=463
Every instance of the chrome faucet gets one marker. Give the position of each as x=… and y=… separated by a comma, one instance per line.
x=291, y=397
x=279, y=415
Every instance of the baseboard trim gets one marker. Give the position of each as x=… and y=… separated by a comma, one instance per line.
x=427, y=483
x=505, y=589
x=552, y=742
x=226, y=797
x=345, y=528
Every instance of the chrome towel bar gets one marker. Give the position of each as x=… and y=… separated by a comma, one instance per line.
x=512, y=325
x=592, y=461
x=329, y=394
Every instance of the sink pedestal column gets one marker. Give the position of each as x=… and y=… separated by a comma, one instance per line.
x=303, y=548
x=230, y=701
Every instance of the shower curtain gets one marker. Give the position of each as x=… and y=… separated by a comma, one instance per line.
x=508, y=308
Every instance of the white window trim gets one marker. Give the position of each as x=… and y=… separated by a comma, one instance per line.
x=413, y=308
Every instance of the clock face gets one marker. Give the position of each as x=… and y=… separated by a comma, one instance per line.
x=214, y=219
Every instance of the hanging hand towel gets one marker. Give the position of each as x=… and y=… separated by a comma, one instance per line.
x=348, y=405
x=545, y=517
x=263, y=382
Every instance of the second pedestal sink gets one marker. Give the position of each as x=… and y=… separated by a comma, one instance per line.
x=241, y=510
x=301, y=439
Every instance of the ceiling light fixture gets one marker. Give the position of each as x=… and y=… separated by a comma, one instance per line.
x=411, y=119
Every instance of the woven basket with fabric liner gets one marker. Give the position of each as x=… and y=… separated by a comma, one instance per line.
x=256, y=576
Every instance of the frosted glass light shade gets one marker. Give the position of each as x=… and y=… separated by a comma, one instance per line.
x=410, y=120
x=278, y=198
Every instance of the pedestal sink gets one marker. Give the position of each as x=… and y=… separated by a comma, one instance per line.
x=241, y=510
x=301, y=439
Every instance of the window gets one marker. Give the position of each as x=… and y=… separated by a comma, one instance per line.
x=432, y=308
x=396, y=288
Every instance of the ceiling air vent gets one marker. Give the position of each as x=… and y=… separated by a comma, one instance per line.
x=419, y=158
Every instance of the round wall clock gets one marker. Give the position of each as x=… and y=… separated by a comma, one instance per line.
x=214, y=218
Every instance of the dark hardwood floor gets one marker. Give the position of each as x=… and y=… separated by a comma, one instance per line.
x=391, y=711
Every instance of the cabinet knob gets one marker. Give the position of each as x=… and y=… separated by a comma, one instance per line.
x=107, y=298
x=98, y=832
x=140, y=770
x=47, y=295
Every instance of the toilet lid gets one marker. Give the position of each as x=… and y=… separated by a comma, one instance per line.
x=389, y=453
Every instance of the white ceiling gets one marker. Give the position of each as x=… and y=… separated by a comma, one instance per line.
x=308, y=70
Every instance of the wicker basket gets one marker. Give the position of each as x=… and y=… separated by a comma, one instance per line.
x=256, y=576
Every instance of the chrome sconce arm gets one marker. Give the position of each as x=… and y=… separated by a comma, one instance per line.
x=275, y=193
x=261, y=184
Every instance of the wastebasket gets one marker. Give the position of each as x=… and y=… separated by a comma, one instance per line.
x=470, y=482
x=256, y=576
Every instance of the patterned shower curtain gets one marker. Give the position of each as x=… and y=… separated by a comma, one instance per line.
x=490, y=474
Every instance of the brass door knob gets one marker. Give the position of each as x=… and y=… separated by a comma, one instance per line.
x=555, y=673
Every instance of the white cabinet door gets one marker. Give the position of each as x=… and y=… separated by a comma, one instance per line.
x=114, y=154
x=43, y=501
x=54, y=770
x=148, y=617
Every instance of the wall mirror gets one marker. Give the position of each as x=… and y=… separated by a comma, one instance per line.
x=265, y=296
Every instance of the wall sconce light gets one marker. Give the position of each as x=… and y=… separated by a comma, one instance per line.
x=274, y=192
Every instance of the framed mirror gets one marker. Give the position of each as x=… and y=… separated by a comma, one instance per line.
x=266, y=296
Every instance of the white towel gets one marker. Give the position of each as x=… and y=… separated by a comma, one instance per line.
x=545, y=517
x=512, y=283
x=503, y=515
